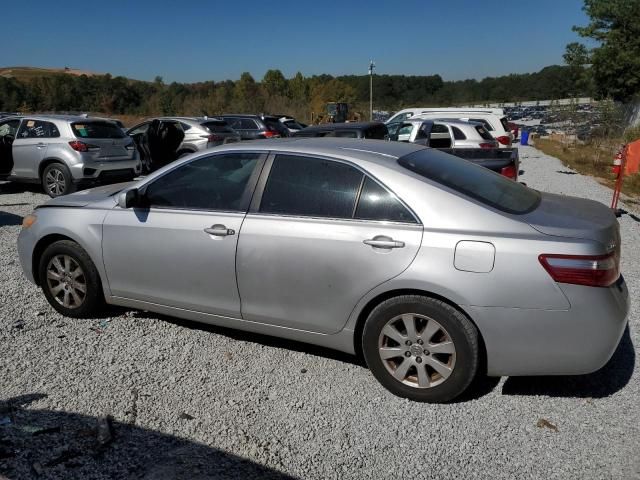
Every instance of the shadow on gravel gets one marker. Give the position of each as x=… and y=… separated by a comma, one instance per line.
x=566, y=172
x=49, y=444
x=7, y=219
x=11, y=187
x=603, y=383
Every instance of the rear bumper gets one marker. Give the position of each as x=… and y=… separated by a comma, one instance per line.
x=90, y=172
x=555, y=342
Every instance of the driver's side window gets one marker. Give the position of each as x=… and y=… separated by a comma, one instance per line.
x=140, y=129
x=9, y=128
x=217, y=182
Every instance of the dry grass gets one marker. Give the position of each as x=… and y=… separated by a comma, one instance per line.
x=591, y=160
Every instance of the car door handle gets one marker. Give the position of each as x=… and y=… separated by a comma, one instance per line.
x=381, y=241
x=219, y=230
x=41, y=145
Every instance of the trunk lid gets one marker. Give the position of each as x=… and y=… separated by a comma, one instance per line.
x=573, y=217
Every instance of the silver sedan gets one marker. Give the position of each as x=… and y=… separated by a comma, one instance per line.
x=432, y=268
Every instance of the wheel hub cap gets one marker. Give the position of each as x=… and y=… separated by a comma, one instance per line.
x=66, y=281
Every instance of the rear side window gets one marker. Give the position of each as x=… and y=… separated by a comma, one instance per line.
x=218, y=127
x=377, y=203
x=483, y=132
x=247, y=124
x=96, y=130
x=505, y=124
x=486, y=124
x=38, y=129
x=457, y=134
x=313, y=187
x=473, y=181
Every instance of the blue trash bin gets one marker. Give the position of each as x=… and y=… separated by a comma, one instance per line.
x=524, y=137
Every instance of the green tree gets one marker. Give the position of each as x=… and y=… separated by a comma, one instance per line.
x=615, y=28
x=274, y=83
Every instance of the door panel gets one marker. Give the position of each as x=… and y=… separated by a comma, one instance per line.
x=166, y=257
x=309, y=273
x=27, y=155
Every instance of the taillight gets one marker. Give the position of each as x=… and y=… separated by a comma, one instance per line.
x=593, y=271
x=79, y=146
x=504, y=140
x=271, y=134
x=509, y=172
x=214, y=138
x=487, y=145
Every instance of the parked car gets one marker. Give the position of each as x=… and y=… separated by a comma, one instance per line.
x=291, y=124
x=64, y=153
x=410, y=112
x=170, y=138
x=369, y=130
x=253, y=127
x=497, y=125
x=433, y=268
x=468, y=140
x=442, y=134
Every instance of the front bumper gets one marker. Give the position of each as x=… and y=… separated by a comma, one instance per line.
x=26, y=245
x=555, y=342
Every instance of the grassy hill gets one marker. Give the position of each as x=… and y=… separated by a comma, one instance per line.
x=23, y=73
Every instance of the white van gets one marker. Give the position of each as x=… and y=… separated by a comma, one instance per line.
x=410, y=112
x=497, y=125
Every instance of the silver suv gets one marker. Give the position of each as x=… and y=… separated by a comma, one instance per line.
x=65, y=152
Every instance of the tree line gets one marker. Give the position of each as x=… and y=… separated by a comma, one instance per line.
x=299, y=95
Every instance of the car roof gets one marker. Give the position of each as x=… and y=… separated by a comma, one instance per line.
x=66, y=118
x=378, y=151
x=343, y=126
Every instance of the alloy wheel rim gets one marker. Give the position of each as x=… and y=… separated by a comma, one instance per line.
x=417, y=350
x=66, y=281
x=55, y=181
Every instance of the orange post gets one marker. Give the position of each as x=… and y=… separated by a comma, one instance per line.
x=621, y=157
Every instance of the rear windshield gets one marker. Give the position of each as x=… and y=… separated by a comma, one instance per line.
x=474, y=181
x=97, y=130
x=218, y=127
x=483, y=132
x=293, y=125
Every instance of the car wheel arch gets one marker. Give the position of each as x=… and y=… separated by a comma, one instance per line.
x=382, y=297
x=49, y=239
x=46, y=162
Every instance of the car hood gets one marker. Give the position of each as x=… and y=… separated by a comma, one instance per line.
x=574, y=217
x=86, y=197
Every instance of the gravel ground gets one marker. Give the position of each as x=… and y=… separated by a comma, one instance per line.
x=190, y=401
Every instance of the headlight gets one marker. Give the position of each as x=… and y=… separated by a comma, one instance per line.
x=29, y=220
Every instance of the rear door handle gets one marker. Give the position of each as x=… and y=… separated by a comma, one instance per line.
x=381, y=241
x=219, y=230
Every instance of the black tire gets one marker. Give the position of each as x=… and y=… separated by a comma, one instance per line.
x=93, y=298
x=455, y=327
x=56, y=180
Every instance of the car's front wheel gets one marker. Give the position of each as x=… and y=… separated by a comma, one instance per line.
x=70, y=280
x=421, y=348
x=56, y=180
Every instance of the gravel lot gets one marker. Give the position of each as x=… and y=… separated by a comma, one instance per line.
x=192, y=401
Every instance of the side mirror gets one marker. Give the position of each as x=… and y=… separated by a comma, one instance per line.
x=128, y=198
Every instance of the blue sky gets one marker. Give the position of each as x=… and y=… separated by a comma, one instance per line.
x=206, y=40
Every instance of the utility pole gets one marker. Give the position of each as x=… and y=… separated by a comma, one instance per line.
x=371, y=67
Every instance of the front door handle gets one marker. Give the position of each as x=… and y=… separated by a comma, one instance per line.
x=219, y=230
x=41, y=145
x=382, y=241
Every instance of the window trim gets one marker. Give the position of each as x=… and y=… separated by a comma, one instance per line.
x=254, y=208
x=247, y=195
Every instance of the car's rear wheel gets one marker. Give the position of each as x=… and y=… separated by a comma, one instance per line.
x=56, y=180
x=70, y=280
x=421, y=348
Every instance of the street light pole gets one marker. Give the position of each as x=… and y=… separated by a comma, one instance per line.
x=371, y=67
